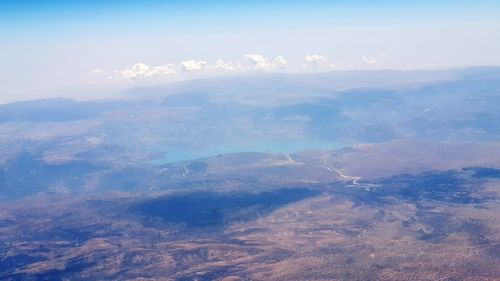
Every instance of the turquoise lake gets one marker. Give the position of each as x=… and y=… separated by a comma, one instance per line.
x=176, y=154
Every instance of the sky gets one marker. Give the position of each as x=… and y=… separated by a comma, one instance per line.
x=62, y=48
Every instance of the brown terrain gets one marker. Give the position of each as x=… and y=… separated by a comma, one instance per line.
x=432, y=213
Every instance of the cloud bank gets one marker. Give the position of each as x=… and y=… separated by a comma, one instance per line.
x=252, y=63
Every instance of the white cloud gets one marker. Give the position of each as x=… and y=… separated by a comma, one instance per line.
x=254, y=62
x=221, y=65
x=370, y=61
x=316, y=61
x=260, y=62
x=193, y=65
x=139, y=70
x=280, y=62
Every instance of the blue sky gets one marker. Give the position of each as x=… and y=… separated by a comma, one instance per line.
x=52, y=45
x=22, y=13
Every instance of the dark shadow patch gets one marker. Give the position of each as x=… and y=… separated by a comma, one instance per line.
x=6, y=223
x=448, y=186
x=443, y=224
x=12, y=263
x=73, y=266
x=205, y=209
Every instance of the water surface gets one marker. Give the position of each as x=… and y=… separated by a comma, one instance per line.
x=178, y=154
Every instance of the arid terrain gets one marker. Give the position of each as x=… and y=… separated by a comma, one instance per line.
x=335, y=176
x=440, y=224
